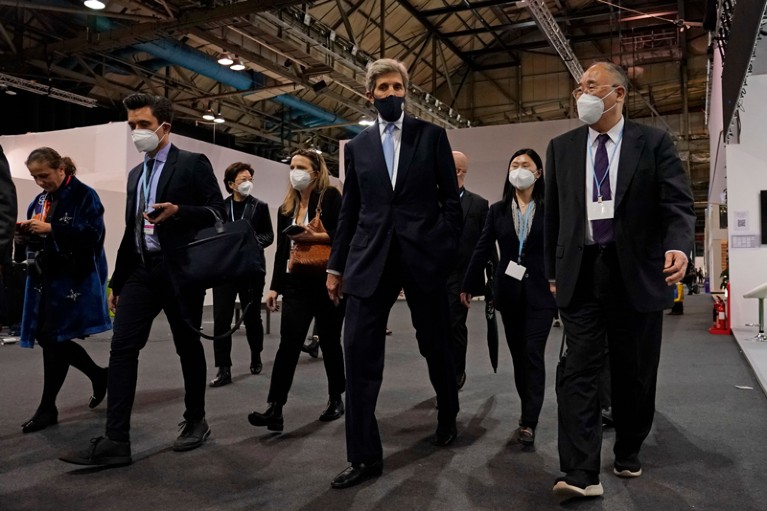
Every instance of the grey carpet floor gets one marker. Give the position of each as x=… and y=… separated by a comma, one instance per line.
x=707, y=450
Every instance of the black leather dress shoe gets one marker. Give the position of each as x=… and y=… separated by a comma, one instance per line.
x=256, y=366
x=193, y=434
x=101, y=452
x=312, y=347
x=357, y=473
x=334, y=410
x=271, y=418
x=461, y=380
x=99, y=389
x=224, y=377
x=445, y=435
x=40, y=420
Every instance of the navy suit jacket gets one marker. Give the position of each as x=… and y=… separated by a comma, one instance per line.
x=423, y=210
x=653, y=213
x=533, y=287
x=188, y=181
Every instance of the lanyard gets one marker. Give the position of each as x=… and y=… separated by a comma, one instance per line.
x=231, y=210
x=598, y=183
x=523, y=228
x=146, y=185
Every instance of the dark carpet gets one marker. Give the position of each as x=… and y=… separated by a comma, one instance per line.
x=707, y=449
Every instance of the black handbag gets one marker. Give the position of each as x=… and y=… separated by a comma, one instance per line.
x=224, y=253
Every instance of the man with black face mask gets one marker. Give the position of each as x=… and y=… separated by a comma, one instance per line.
x=399, y=226
x=170, y=197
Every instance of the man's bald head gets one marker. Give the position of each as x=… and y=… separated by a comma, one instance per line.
x=461, y=166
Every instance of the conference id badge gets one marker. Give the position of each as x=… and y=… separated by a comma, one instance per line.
x=600, y=210
x=148, y=229
x=515, y=271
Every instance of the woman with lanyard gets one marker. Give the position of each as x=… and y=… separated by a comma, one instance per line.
x=238, y=178
x=65, y=295
x=521, y=290
x=304, y=295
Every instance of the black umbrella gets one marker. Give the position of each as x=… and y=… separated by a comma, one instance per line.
x=492, y=324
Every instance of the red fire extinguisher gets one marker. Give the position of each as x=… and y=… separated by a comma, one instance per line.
x=721, y=316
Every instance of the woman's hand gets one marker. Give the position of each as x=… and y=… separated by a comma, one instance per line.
x=271, y=301
x=466, y=299
x=36, y=226
x=112, y=301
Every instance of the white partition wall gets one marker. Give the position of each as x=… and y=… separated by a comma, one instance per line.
x=746, y=176
x=104, y=154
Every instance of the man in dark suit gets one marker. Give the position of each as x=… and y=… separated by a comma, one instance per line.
x=8, y=215
x=619, y=221
x=399, y=225
x=168, y=201
x=475, y=210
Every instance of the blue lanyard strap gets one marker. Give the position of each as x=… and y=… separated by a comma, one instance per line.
x=598, y=183
x=146, y=181
x=523, y=228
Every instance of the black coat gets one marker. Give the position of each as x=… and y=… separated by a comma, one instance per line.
x=509, y=291
x=188, y=181
x=257, y=213
x=653, y=213
x=7, y=209
x=475, y=209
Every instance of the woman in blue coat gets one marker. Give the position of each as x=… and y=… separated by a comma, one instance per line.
x=522, y=293
x=65, y=290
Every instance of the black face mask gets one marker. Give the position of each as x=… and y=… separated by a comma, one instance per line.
x=390, y=107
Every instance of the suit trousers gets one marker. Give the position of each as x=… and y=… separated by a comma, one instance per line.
x=146, y=293
x=599, y=310
x=223, y=310
x=306, y=298
x=527, y=331
x=459, y=334
x=364, y=340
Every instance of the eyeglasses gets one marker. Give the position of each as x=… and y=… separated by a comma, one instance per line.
x=591, y=89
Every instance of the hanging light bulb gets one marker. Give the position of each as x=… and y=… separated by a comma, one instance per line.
x=238, y=65
x=208, y=115
x=94, y=4
x=219, y=119
x=225, y=60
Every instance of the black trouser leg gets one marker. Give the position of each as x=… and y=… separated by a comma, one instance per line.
x=298, y=309
x=459, y=340
x=329, y=320
x=254, y=326
x=223, y=309
x=80, y=360
x=55, y=368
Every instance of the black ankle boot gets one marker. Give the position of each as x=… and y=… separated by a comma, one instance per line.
x=99, y=388
x=334, y=410
x=271, y=418
x=224, y=377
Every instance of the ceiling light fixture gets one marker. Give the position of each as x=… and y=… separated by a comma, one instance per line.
x=225, y=60
x=208, y=115
x=96, y=5
x=238, y=65
x=366, y=122
x=219, y=119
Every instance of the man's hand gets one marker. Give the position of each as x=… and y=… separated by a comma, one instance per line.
x=333, y=284
x=553, y=288
x=166, y=210
x=674, y=267
x=36, y=226
x=112, y=301
x=466, y=299
x=271, y=301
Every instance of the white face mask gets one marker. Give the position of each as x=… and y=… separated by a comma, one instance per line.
x=244, y=188
x=146, y=141
x=521, y=179
x=591, y=108
x=300, y=179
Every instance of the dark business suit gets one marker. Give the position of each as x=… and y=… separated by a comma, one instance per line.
x=256, y=212
x=474, y=212
x=144, y=289
x=387, y=239
x=615, y=291
x=526, y=306
x=305, y=297
x=8, y=216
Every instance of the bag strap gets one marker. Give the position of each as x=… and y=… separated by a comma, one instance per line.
x=219, y=224
x=562, y=346
x=225, y=334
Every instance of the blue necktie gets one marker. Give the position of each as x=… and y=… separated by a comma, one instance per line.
x=602, y=230
x=140, y=246
x=388, y=147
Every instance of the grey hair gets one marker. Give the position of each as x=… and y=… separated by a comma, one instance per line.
x=382, y=67
x=618, y=73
